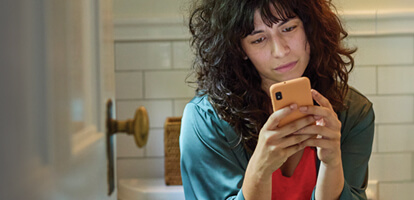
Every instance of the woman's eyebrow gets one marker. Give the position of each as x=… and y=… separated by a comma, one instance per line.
x=254, y=32
x=285, y=21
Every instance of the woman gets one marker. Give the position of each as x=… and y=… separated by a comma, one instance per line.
x=231, y=144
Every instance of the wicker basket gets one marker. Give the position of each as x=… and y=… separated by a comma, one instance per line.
x=172, y=151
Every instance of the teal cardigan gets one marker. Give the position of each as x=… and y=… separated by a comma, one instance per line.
x=213, y=162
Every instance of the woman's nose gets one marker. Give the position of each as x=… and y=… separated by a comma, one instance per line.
x=280, y=48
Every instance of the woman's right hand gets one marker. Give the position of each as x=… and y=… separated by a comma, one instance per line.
x=275, y=145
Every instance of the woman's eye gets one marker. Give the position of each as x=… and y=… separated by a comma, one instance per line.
x=258, y=40
x=288, y=29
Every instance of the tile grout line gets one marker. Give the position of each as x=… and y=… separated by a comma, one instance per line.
x=376, y=80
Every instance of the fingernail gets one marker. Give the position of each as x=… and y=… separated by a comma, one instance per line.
x=303, y=109
x=293, y=106
x=317, y=117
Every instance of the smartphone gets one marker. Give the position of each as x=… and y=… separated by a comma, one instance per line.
x=295, y=91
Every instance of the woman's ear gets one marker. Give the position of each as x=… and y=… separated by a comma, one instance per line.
x=243, y=54
x=245, y=57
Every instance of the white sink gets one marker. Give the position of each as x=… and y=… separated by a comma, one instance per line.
x=148, y=189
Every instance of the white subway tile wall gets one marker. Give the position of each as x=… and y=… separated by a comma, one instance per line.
x=383, y=50
x=404, y=24
x=167, y=84
x=143, y=55
x=147, y=167
x=393, y=109
x=355, y=5
x=154, y=148
x=384, y=72
x=157, y=110
x=126, y=147
x=396, y=190
x=398, y=163
x=364, y=78
x=396, y=79
x=375, y=142
x=152, y=74
x=394, y=5
x=129, y=85
x=179, y=106
x=182, y=58
x=395, y=138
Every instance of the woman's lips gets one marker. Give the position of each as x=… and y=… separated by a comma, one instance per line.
x=285, y=68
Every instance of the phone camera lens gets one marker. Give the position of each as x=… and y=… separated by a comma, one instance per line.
x=279, y=95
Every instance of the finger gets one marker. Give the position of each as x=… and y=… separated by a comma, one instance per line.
x=274, y=118
x=294, y=149
x=329, y=117
x=317, y=111
x=279, y=134
x=296, y=125
x=319, y=142
x=293, y=140
x=320, y=99
x=319, y=130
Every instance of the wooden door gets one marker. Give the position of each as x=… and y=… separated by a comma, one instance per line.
x=55, y=83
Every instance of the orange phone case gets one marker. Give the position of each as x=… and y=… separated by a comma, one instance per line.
x=295, y=91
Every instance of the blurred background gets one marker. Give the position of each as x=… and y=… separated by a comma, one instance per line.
x=148, y=61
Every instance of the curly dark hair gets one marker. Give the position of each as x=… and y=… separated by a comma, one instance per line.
x=233, y=84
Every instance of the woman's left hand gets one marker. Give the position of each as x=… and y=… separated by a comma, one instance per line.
x=327, y=129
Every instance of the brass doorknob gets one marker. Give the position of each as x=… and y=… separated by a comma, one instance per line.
x=138, y=126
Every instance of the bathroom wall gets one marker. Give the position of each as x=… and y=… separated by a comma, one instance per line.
x=153, y=57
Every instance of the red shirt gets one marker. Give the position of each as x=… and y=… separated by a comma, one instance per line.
x=300, y=185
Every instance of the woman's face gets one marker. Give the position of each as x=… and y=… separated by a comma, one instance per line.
x=280, y=52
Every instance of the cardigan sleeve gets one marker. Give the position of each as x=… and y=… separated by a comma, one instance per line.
x=356, y=151
x=357, y=135
x=210, y=165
